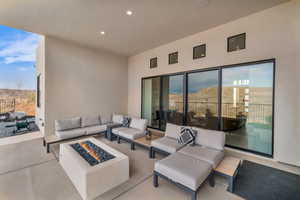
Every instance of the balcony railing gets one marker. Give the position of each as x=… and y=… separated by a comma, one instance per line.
x=7, y=105
x=257, y=113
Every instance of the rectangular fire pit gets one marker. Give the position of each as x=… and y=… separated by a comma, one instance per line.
x=93, y=166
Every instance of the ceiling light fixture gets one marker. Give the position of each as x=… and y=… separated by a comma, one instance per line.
x=102, y=33
x=129, y=12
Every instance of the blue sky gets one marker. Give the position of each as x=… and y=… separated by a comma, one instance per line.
x=17, y=58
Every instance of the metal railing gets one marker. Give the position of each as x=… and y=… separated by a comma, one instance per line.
x=259, y=113
x=7, y=105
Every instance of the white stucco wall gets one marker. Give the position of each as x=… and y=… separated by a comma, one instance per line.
x=272, y=33
x=81, y=81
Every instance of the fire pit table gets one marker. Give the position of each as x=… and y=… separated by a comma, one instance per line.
x=93, y=166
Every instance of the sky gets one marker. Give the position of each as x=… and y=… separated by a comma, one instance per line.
x=17, y=58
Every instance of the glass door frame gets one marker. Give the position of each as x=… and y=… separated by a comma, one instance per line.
x=273, y=61
x=220, y=70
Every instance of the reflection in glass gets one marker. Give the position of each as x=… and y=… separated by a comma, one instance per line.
x=247, y=97
x=203, y=99
x=172, y=100
x=151, y=101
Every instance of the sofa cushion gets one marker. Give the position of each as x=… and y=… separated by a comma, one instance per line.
x=210, y=138
x=211, y=156
x=95, y=129
x=116, y=130
x=140, y=124
x=131, y=133
x=167, y=144
x=184, y=169
x=172, y=131
x=90, y=121
x=118, y=119
x=67, y=124
x=71, y=133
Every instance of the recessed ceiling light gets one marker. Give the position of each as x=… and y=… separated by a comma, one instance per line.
x=102, y=33
x=129, y=12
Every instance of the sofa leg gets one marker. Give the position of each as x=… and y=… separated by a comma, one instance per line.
x=150, y=152
x=119, y=140
x=155, y=180
x=194, y=195
x=132, y=146
x=211, y=179
x=153, y=154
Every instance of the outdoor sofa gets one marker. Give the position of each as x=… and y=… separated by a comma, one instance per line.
x=77, y=127
x=191, y=165
x=136, y=129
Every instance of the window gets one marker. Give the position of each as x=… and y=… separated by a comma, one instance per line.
x=151, y=101
x=236, y=42
x=247, y=106
x=153, y=62
x=38, y=92
x=199, y=51
x=203, y=89
x=173, y=58
x=237, y=99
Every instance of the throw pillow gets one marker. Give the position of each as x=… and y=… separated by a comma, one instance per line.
x=187, y=136
x=126, y=122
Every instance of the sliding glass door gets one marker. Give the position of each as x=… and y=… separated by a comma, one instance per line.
x=247, y=107
x=151, y=101
x=172, y=100
x=235, y=99
x=203, y=90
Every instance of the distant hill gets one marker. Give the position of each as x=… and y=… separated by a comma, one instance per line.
x=15, y=93
x=17, y=100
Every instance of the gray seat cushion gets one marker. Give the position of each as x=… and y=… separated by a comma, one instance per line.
x=138, y=123
x=172, y=130
x=210, y=138
x=130, y=133
x=70, y=133
x=117, y=118
x=67, y=124
x=167, y=144
x=184, y=169
x=211, y=156
x=95, y=129
x=90, y=121
x=116, y=130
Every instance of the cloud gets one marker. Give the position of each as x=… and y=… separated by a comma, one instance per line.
x=23, y=69
x=21, y=50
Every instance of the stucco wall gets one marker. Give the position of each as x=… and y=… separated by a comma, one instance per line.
x=81, y=81
x=273, y=33
x=40, y=70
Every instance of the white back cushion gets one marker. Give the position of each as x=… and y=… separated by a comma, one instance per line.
x=137, y=123
x=90, y=121
x=210, y=138
x=172, y=130
x=117, y=118
x=66, y=124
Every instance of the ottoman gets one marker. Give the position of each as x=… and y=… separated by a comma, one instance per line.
x=92, y=181
x=186, y=172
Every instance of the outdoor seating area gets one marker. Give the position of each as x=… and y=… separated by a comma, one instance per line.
x=164, y=100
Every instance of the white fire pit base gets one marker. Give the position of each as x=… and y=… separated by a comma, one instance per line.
x=92, y=181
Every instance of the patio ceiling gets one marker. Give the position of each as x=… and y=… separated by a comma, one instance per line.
x=153, y=22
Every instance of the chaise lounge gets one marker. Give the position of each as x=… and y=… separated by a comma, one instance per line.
x=192, y=165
